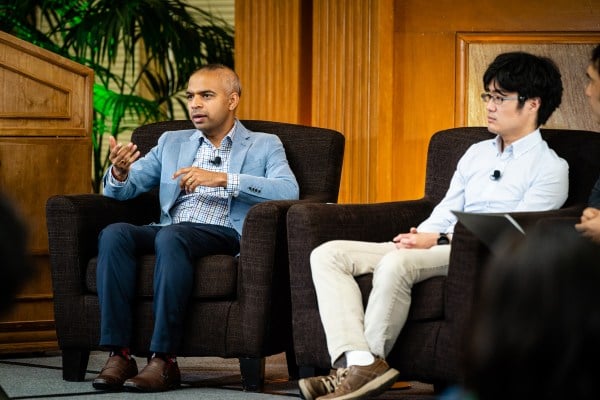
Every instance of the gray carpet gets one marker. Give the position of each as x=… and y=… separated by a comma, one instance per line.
x=40, y=377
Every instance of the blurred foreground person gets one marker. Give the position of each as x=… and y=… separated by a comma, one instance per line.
x=536, y=327
x=15, y=264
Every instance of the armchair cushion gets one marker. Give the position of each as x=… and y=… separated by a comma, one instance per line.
x=215, y=277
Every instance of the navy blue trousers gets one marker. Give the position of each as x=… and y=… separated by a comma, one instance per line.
x=177, y=247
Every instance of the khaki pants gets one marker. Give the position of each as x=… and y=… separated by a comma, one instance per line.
x=347, y=325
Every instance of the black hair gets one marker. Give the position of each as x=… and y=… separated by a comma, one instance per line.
x=530, y=76
x=595, y=60
x=536, y=327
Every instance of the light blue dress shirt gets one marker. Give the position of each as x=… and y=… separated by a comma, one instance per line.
x=532, y=178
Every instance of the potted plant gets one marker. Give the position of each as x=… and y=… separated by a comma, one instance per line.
x=142, y=52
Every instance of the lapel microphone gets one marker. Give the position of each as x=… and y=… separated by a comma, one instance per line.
x=495, y=175
x=216, y=161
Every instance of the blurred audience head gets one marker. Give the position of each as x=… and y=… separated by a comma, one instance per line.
x=535, y=332
x=592, y=89
x=15, y=263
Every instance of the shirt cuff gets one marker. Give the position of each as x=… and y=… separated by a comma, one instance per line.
x=233, y=184
x=114, y=181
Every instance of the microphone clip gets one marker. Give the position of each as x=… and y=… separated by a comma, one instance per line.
x=496, y=175
x=216, y=161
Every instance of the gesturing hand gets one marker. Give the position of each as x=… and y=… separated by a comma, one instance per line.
x=121, y=157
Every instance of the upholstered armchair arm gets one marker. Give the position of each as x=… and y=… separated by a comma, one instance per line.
x=74, y=222
x=468, y=259
x=317, y=223
x=263, y=277
x=309, y=225
x=469, y=256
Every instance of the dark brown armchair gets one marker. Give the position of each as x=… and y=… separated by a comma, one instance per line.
x=240, y=306
x=429, y=346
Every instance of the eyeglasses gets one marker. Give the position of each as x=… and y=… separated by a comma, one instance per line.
x=498, y=100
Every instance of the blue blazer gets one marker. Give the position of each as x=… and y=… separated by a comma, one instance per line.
x=259, y=159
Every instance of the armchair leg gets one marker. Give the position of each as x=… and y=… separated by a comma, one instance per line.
x=293, y=370
x=74, y=363
x=253, y=374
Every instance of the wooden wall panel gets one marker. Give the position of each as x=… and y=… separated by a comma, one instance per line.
x=336, y=72
x=273, y=59
x=352, y=65
x=33, y=169
x=426, y=61
x=383, y=73
x=45, y=149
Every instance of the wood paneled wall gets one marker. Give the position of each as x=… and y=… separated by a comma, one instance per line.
x=273, y=59
x=383, y=72
x=45, y=149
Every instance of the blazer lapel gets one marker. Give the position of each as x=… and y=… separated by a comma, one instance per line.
x=186, y=153
x=242, y=141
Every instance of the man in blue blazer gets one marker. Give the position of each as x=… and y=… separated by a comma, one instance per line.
x=208, y=179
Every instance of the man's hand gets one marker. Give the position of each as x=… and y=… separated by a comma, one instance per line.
x=192, y=177
x=121, y=158
x=590, y=224
x=416, y=240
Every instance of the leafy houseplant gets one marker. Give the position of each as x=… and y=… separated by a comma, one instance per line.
x=142, y=53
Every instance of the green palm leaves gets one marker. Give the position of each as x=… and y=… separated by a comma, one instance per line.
x=142, y=52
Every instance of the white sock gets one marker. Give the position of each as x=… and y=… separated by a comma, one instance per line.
x=359, y=357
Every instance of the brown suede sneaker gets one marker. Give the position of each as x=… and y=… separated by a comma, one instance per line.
x=311, y=388
x=364, y=382
x=157, y=376
x=115, y=372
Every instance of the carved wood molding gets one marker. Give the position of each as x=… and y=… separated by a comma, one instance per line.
x=43, y=94
x=570, y=51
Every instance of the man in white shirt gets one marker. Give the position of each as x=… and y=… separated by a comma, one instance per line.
x=515, y=171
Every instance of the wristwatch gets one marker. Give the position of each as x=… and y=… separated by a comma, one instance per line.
x=443, y=239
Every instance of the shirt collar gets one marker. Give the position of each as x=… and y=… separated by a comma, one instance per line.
x=521, y=146
x=228, y=137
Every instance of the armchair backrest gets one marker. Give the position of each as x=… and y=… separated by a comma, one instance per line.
x=446, y=147
x=315, y=154
x=581, y=149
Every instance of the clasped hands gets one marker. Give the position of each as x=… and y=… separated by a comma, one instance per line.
x=415, y=240
x=122, y=156
x=589, y=224
x=192, y=177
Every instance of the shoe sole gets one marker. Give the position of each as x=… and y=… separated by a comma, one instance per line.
x=105, y=386
x=304, y=392
x=139, y=389
x=374, y=387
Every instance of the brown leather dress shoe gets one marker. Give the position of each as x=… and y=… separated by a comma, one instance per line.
x=157, y=376
x=116, y=371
